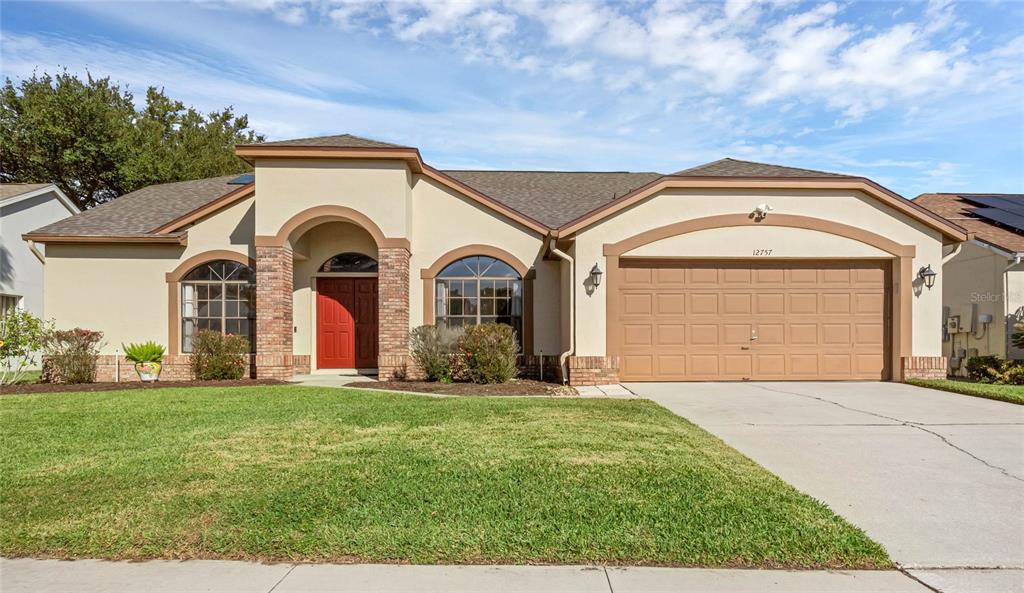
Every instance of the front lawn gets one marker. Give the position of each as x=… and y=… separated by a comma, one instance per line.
x=300, y=473
x=1007, y=393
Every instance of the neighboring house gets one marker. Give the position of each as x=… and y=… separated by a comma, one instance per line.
x=983, y=292
x=24, y=207
x=336, y=246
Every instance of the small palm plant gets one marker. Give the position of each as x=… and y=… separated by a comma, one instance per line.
x=148, y=358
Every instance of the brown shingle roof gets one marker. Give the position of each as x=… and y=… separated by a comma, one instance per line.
x=553, y=197
x=336, y=141
x=141, y=211
x=954, y=208
x=13, y=190
x=736, y=168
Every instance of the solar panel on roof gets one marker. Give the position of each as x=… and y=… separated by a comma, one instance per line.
x=1010, y=205
x=243, y=179
x=1004, y=217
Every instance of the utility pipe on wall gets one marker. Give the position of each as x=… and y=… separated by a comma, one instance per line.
x=564, y=357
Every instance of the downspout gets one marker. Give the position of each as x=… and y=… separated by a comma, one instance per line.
x=35, y=251
x=564, y=357
x=1007, y=335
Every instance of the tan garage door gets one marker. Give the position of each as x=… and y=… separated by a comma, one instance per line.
x=677, y=320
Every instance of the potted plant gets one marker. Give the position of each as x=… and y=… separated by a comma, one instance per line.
x=147, y=357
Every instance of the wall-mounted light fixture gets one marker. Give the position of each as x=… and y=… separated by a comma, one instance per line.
x=761, y=212
x=927, y=274
x=595, y=275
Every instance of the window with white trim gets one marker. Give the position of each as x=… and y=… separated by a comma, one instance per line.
x=218, y=296
x=8, y=304
x=479, y=289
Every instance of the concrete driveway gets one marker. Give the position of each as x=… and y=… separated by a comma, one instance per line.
x=937, y=478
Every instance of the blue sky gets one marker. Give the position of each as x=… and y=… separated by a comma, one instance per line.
x=919, y=96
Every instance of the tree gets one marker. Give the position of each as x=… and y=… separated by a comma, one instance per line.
x=89, y=138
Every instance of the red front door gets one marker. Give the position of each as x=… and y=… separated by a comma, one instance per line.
x=346, y=323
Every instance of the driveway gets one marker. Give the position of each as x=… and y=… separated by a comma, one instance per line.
x=937, y=478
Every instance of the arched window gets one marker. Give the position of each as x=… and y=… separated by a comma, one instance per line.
x=350, y=262
x=218, y=296
x=479, y=289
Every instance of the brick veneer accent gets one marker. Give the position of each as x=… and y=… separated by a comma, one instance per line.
x=274, y=328
x=175, y=368
x=593, y=370
x=529, y=367
x=923, y=367
x=302, y=364
x=393, y=312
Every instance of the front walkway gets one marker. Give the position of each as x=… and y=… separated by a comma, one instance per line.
x=937, y=478
x=194, y=576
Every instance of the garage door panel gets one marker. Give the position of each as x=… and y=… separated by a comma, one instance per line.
x=671, y=335
x=739, y=320
x=771, y=334
x=772, y=303
x=637, y=304
x=637, y=335
x=703, y=335
x=670, y=304
x=704, y=304
x=803, y=303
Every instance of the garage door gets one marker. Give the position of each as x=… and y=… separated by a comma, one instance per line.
x=678, y=320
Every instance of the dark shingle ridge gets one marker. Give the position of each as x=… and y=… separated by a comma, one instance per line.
x=335, y=141
x=729, y=167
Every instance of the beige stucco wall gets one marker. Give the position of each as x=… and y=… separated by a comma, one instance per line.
x=742, y=241
x=377, y=189
x=444, y=220
x=848, y=207
x=314, y=248
x=979, y=276
x=121, y=290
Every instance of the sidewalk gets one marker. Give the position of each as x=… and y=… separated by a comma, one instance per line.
x=194, y=576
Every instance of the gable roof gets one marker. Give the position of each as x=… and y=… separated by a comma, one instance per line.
x=728, y=167
x=138, y=213
x=547, y=202
x=335, y=141
x=553, y=197
x=15, y=192
x=959, y=209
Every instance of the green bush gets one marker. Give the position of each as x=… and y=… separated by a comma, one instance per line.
x=992, y=369
x=435, y=350
x=71, y=355
x=144, y=352
x=21, y=337
x=217, y=357
x=490, y=352
x=978, y=367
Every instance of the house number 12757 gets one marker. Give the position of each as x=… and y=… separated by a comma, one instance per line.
x=762, y=252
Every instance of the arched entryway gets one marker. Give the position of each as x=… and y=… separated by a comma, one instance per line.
x=347, y=322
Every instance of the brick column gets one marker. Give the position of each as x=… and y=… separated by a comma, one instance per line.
x=923, y=367
x=274, y=328
x=393, y=312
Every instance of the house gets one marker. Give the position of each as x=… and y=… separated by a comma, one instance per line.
x=983, y=292
x=24, y=207
x=334, y=247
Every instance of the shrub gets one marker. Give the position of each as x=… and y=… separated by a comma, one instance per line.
x=490, y=352
x=217, y=357
x=71, y=355
x=992, y=369
x=144, y=352
x=978, y=367
x=435, y=350
x=21, y=337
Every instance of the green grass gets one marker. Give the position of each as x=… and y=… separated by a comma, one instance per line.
x=313, y=474
x=1013, y=394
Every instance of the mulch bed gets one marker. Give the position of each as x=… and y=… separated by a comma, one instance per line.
x=57, y=388
x=514, y=387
